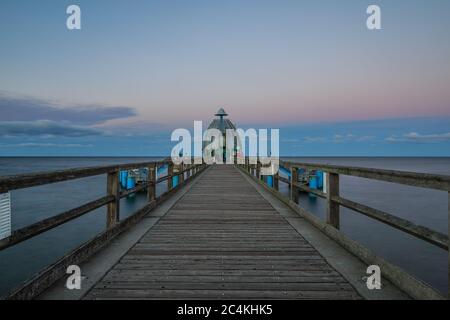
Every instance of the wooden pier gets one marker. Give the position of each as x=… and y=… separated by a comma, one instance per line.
x=222, y=240
x=223, y=233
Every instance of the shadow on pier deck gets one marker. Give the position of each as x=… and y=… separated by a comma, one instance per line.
x=223, y=237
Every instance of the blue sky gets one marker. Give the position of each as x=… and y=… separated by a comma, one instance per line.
x=138, y=69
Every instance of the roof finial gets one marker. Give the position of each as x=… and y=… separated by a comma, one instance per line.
x=221, y=113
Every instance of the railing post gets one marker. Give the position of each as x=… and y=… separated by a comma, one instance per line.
x=113, y=208
x=332, y=207
x=276, y=180
x=258, y=170
x=170, y=178
x=294, y=181
x=188, y=173
x=448, y=203
x=151, y=179
x=181, y=176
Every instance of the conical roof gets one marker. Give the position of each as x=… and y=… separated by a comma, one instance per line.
x=221, y=113
x=221, y=124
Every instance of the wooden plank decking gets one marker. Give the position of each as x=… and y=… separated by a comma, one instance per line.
x=222, y=239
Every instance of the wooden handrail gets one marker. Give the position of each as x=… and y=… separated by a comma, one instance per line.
x=9, y=183
x=424, y=180
x=424, y=233
x=420, y=232
x=436, y=238
x=37, y=228
x=29, y=180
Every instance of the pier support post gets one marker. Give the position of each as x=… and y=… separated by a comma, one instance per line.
x=113, y=189
x=151, y=189
x=333, y=207
x=294, y=181
x=170, y=178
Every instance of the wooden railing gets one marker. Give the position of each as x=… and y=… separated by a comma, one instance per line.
x=114, y=225
x=334, y=201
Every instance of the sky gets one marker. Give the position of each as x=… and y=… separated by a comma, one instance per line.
x=139, y=69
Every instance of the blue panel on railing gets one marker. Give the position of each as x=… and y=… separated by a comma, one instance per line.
x=131, y=183
x=312, y=185
x=175, y=181
x=313, y=182
x=123, y=178
x=270, y=181
x=319, y=175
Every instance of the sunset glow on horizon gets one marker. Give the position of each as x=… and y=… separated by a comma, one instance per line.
x=162, y=64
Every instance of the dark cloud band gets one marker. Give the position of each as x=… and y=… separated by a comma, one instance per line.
x=44, y=128
x=17, y=108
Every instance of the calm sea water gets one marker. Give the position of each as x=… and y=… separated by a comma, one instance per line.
x=421, y=206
